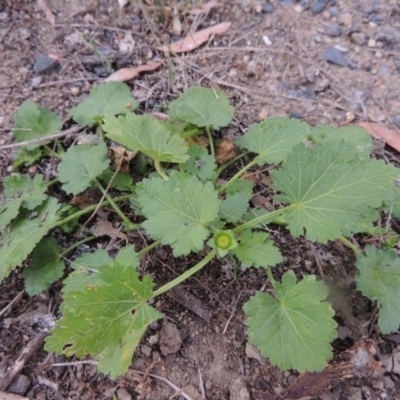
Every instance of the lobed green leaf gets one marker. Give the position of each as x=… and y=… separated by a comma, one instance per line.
x=254, y=250
x=46, y=267
x=104, y=316
x=17, y=242
x=107, y=98
x=80, y=165
x=200, y=163
x=332, y=192
x=233, y=208
x=294, y=330
x=202, y=107
x=178, y=211
x=273, y=138
x=148, y=135
x=378, y=278
x=33, y=122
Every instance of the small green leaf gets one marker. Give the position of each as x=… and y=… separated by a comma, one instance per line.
x=21, y=191
x=18, y=241
x=200, y=163
x=294, y=330
x=178, y=211
x=240, y=186
x=148, y=135
x=127, y=257
x=273, y=138
x=86, y=271
x=33, y=122
x=357, y=136
x=233, y=208
x=105, y=316
x=202, y=107
x=26, y=157
x=46, y=267
x=332, y=191
x=108, y=98
x=255, y=250
x=379, y=279
x=392, y=205
x=80, y=165
x=121, y=181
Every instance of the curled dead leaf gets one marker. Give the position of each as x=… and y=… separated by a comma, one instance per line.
x=47, y=11
x=205, y=8
x=382, y=132
x=193, y=41
x=226, y=151
x=125, y=74
x=105, y=228
x=121, y=158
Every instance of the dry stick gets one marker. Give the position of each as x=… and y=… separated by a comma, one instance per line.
x=43, y=139
x=7, y=30
x=106, y=28
x=232, y=314
x=27, y=352
x=161, y=378
x=53, y=83
x=14, y=300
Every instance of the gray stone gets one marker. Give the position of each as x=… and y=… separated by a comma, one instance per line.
x=308, y=93
x=335, y=56
x=396, y=120
x=305, y=4
x=146, y=350
x=358, y=38
x=19, y=385
x=319, y=6
x=332, y=30
x=36, y=81
x=388, y=382
x=123, y=394
x=388, y=36
x=268, y=8
x=44, y=63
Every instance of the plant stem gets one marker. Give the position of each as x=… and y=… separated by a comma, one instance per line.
x=90, y=209
x=148, y=248
x=226, y=165
x=186, y=275
x=271, y=277
x=263, y=218
x=210, y=139
x=350, y=245
x=160, y=170
x=77, y=244
x=112, y=204
x=238, y=175
x=54, y=181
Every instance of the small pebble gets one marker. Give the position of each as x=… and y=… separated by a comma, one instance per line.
x=266, y=40
x=123, y=394
x=44, y=63
x=319, y=6
x=146, y=350
x=358, y=38
x=19, y=385
x=346, y=19
x=334, y=12
x=295, y=114
x=298, y=8
x=371, y=43
x=396, y=120
x=332, y=30
x=387, y=380
x=335, y=56
x=388, y=36
x=75, y=91
x=305, y=4
x=36, y=81
x=308, y=93
x=268, y=8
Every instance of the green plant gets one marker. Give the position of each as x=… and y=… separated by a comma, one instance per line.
x=324, y=182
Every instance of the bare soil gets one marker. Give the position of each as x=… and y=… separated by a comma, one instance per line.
x=270, y=62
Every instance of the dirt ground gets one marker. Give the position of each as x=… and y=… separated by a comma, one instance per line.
x=274, y=60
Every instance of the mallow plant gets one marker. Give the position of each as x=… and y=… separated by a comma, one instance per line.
x=325, y=184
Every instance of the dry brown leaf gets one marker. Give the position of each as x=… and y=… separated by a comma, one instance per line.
x=10, y=396
x=193, y=41
x=121, y=158
x=197, y=140
x=47, y=12
x=379, y=131
x=226, y=151
x=125, y=74
x=82, y=201
x=105, y=228
x=205, y=9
